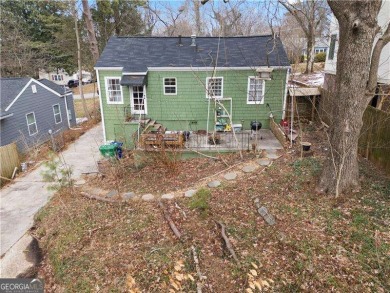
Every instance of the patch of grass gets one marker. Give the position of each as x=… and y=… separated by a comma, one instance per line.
x=309, y=166
x=92, y=105
x=200, y=201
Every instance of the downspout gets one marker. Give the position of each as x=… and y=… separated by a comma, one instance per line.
x=285, y=94
x=101, y=106
x=67, y=114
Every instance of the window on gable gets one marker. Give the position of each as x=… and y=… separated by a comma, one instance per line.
x=114, y=91
x=31, y=124
x=57, y=113
x=214, y=87
x=170, y=86
x=332, y=46
x=255, y=90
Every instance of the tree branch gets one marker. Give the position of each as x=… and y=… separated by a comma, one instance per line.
x=376, y=54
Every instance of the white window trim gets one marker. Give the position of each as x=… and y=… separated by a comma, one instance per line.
x=137, y=112
x=263, y=92
x=106, y=87
x=28, y=125
x=207, y=87
x=59, y=108
x=164, y=86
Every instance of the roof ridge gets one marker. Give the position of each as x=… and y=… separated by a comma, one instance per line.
x=205, y=37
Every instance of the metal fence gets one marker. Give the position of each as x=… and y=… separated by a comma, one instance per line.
x=219, y=141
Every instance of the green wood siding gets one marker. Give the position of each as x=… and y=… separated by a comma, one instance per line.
x=188, y=109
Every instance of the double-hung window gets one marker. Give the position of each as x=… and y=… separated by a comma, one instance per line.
x=57, y=114
x=113, y=90
x=31, y=124
x=214, y=87
x=255, y=90
x=170, y=86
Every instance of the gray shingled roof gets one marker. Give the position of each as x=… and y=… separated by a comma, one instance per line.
x=9, y=89
x=136, y=54
x=55, y=87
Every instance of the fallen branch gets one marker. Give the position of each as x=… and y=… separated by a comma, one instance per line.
x=5, y=178
x=228, y=243
x=204, y=178
x=169, y=220
x=198, y=272
x=95, y=197
x=180, y=209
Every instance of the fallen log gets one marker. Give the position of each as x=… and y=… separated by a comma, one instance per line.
x=198, y=272
x=229, y=245
x=95, y=197
x=169, y=220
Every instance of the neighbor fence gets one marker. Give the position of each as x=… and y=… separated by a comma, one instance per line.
x=374, y=141
x=9, y=159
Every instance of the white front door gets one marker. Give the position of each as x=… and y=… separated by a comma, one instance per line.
x=138, y=100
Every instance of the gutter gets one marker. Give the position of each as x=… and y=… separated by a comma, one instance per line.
x=285, y=95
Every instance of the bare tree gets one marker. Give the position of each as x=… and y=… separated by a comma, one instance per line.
x=310, y=14
x=168, y=15
x=76, y=28
x=93, y=45
x=356, y=79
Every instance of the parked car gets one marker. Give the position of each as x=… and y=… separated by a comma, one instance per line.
x=73, y=83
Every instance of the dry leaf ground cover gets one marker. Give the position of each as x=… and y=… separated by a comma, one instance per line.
x=319, y=244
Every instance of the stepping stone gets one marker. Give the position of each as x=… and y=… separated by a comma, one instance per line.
x=128, y=195
x=168, y=196
x=264, y=162
x=80, y=182
x=214, y=184
x=271, y=151
x=112, y=193
x=230, y=176
x=190, y=193
x=147, y=197
x=249, y=169
x=266, y=216
x=272, y=156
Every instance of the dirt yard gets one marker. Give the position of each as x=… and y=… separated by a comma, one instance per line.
x=318, y=244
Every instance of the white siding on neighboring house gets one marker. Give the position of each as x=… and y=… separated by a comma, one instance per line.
x=384, y=63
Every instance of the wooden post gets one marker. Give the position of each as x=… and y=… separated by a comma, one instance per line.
x=313, y=107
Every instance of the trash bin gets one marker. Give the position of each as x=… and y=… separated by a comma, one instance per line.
x=108, y=150
x=119, y=149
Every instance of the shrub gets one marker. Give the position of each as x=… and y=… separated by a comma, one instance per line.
x=200, y=200
x=320, y=57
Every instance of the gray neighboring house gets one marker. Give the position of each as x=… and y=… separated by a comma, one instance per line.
x=30, y=109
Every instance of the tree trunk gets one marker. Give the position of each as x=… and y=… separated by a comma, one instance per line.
x=310, y=54
x=358, y=27
x=93, y=45
x=198, y=23
x=76, y=27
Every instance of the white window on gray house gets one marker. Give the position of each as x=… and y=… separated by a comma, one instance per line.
x=31, y=124
x=170, y=86
x=113, y=90
x=57, y=113
x=255, y=90
x=214, y=87
x=332, y=46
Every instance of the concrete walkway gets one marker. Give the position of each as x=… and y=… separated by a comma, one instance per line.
x=22, y=200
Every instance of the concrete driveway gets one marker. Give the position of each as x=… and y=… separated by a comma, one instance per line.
x=21, y=200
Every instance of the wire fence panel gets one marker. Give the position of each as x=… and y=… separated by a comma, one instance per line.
x=219, y=141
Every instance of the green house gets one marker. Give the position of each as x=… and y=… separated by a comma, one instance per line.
x=190, y=83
